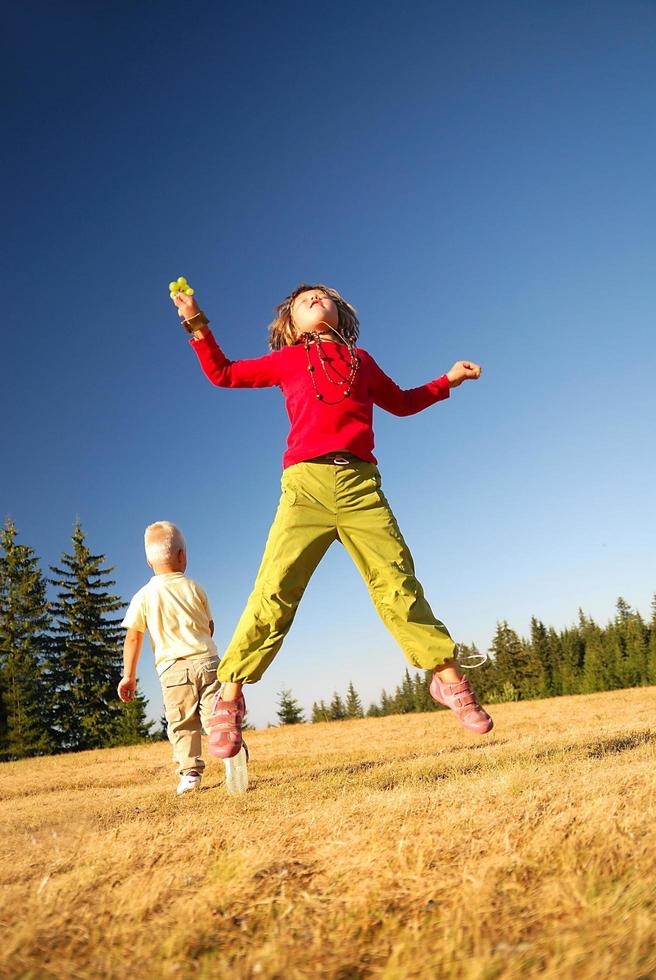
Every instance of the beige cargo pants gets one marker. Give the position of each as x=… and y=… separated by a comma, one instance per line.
x=324, y=501
x=188, y=687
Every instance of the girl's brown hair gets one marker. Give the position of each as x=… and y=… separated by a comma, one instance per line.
x=281, y=328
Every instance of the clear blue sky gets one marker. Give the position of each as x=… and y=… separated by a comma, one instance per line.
x=476, y=178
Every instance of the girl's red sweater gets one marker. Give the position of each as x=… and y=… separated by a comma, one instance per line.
x=318, y=427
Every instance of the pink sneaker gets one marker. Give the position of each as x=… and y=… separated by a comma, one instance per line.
x=462, y=701
x=224, y=736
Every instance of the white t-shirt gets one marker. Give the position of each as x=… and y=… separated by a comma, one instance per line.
x=175, y=611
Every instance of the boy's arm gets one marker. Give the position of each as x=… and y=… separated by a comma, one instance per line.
x=131, y=653
x=206, y=606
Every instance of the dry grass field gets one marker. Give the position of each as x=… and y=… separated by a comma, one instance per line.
x=389, y=848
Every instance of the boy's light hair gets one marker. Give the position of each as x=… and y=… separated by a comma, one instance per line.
x=163, y=541
x=281, y=330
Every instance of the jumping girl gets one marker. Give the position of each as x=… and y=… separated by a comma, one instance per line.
x=330, y=491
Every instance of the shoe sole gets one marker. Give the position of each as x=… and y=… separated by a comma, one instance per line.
x=236, y=772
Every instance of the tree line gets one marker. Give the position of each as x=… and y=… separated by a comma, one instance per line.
x=581, y=659
x=61, y=660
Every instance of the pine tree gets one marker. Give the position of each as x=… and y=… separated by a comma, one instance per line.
x=403, y=701
x=132, y=726
x=320, y=712
x=353, y=707
x=651, y=648
x=633, y=634
x=509, y=658
x=386, y=706
x=556, y=659
x=85, y=663
x=596, y=675
x=289, y=710
x=542, y=655
x=571, y=658
x=421, y=699
x=529, y=678
x=373, y=711
x=337, y=710
x=612, y=658
x=24, y=621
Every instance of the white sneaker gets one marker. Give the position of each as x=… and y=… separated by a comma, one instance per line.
x=236, y=771
x=190, y=780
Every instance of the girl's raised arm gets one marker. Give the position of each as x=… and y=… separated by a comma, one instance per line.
x=187, y=307
x=259, y=372
x=387, y=394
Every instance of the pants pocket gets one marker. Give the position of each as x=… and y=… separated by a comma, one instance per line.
x=376, y=478
x=208, y=674
x=175, y=689
x=288, y=490
x=173, y=713
x=175, y=678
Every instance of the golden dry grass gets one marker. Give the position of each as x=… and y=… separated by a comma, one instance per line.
x=387, y=848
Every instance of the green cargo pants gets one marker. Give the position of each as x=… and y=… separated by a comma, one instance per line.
x=323, y=501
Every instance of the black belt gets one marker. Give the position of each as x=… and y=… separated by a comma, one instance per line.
x=336, y=459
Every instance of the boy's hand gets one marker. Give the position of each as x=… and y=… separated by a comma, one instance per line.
x=127, y=688
x=463, y=371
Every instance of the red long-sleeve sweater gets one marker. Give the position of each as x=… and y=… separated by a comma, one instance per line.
x=318, y=427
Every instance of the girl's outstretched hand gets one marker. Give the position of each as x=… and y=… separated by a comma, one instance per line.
x=183, y=298
x=463, y=371
x=187, y=305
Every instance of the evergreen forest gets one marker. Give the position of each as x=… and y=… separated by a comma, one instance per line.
x=61, y=659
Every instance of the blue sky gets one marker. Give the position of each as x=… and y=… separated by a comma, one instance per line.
x=476, y=178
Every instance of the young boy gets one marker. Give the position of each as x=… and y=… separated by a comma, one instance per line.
x=175, y=611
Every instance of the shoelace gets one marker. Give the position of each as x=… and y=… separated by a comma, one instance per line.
x=465, y=660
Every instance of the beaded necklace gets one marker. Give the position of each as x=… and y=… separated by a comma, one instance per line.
x=354, y=363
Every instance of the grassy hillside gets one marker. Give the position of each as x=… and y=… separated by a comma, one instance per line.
x=393, y=847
